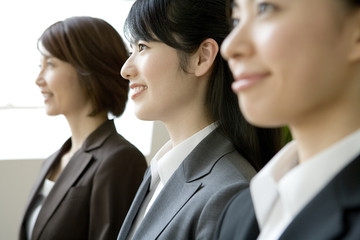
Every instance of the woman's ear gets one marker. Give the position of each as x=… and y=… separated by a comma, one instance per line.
x=205, y=56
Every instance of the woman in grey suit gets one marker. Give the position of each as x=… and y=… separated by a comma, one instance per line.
x=298, y=63
x=85, y=189
x=178, y=77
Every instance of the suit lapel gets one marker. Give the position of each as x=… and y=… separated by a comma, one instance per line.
x=323, y=217
x=135, y=206
x=315, y=220
x=38, y=183
x=183, y=184
x=174, y=196
x=63, y=184
x=70, y=174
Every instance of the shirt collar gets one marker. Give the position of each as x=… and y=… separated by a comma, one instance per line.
x=298, y=184
x=303, y=182
x=263, y=186
x=169, y=158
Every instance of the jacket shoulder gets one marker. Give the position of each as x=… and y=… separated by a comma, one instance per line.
x=238, y=220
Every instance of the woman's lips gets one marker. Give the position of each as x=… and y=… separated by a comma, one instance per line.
x=245, y=81
x=137, y=89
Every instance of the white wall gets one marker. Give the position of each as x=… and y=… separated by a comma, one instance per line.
x=16, y=179
x=18, y=176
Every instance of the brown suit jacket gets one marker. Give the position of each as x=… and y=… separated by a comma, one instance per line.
x=92, y=195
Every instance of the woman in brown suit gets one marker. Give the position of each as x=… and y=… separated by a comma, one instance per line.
x=84, y=189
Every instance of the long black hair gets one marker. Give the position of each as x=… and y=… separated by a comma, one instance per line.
x=184, y=25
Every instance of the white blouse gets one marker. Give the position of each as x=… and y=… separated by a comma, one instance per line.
x=284, y=187
x=40, y=198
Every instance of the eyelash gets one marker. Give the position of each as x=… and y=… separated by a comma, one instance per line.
x=234, y=22
x=261, y=8
x=141, y=47
x=265, y=7
x=47, y=64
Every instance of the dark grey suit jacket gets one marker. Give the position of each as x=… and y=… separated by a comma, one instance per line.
x=190, y=203
x=334, y=213
x=92, y=195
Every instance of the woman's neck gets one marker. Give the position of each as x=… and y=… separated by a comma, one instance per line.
x=82, y=126
x=182, y=128
x=323, y=130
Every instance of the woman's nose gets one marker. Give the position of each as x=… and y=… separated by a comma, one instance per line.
x=128, y=70
x=40, y=79
x=238, y=43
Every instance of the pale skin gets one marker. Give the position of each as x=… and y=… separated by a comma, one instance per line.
x=162, y=91
x=297, y=63
x=59, y=84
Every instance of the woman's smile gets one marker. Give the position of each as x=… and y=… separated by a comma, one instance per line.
x=136, y=90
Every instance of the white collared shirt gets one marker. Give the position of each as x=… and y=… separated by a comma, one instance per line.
x=41, y=196
x=163, y=165
x=284, y=187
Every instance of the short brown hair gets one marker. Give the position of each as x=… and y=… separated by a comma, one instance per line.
x=97, y=52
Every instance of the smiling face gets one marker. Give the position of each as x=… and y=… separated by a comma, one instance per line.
x=290, y=59
x=160, y=89
x=59, y=84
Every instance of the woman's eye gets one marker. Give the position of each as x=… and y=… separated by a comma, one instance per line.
x=265, y=7
x=234, y=22
x=141, y=47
